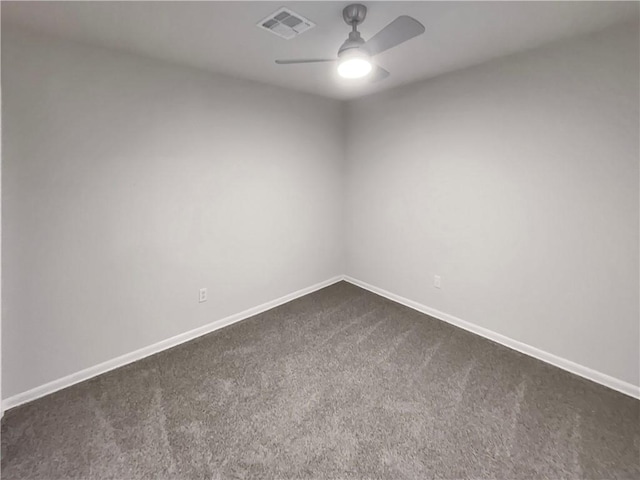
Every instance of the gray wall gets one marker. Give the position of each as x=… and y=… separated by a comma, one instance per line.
x=517, y=182
x=128, y=184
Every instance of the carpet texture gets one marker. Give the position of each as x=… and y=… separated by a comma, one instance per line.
x=342, y=384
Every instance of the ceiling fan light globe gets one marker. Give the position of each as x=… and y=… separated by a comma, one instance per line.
x=354, y=67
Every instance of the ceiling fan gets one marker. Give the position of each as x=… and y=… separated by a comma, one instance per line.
x=354, y=56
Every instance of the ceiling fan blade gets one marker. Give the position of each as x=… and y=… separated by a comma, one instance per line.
x=399, y=31
x=309, y=60
x=378, y=74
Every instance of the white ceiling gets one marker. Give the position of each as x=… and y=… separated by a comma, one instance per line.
x=222, y=36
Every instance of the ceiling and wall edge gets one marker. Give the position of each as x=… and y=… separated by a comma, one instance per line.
x=458, y=35
x=345, y=101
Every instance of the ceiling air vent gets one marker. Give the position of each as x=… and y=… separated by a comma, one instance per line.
x=286, y=24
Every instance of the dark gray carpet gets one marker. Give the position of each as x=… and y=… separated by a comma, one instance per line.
x=338, y=384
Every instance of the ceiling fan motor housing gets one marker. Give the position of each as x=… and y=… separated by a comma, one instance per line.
x=354, y=41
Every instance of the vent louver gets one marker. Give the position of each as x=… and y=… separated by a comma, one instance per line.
x=286, y=24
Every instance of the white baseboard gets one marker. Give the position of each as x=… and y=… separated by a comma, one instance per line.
x=127, y=358
x=580, y=370
x=563, y=363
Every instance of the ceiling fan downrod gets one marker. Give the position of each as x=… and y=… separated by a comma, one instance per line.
x=353, y=15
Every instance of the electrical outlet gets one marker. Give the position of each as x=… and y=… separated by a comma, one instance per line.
x=437, y=282
x=203, y=295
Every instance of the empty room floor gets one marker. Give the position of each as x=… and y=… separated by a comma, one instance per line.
x=340, y=383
